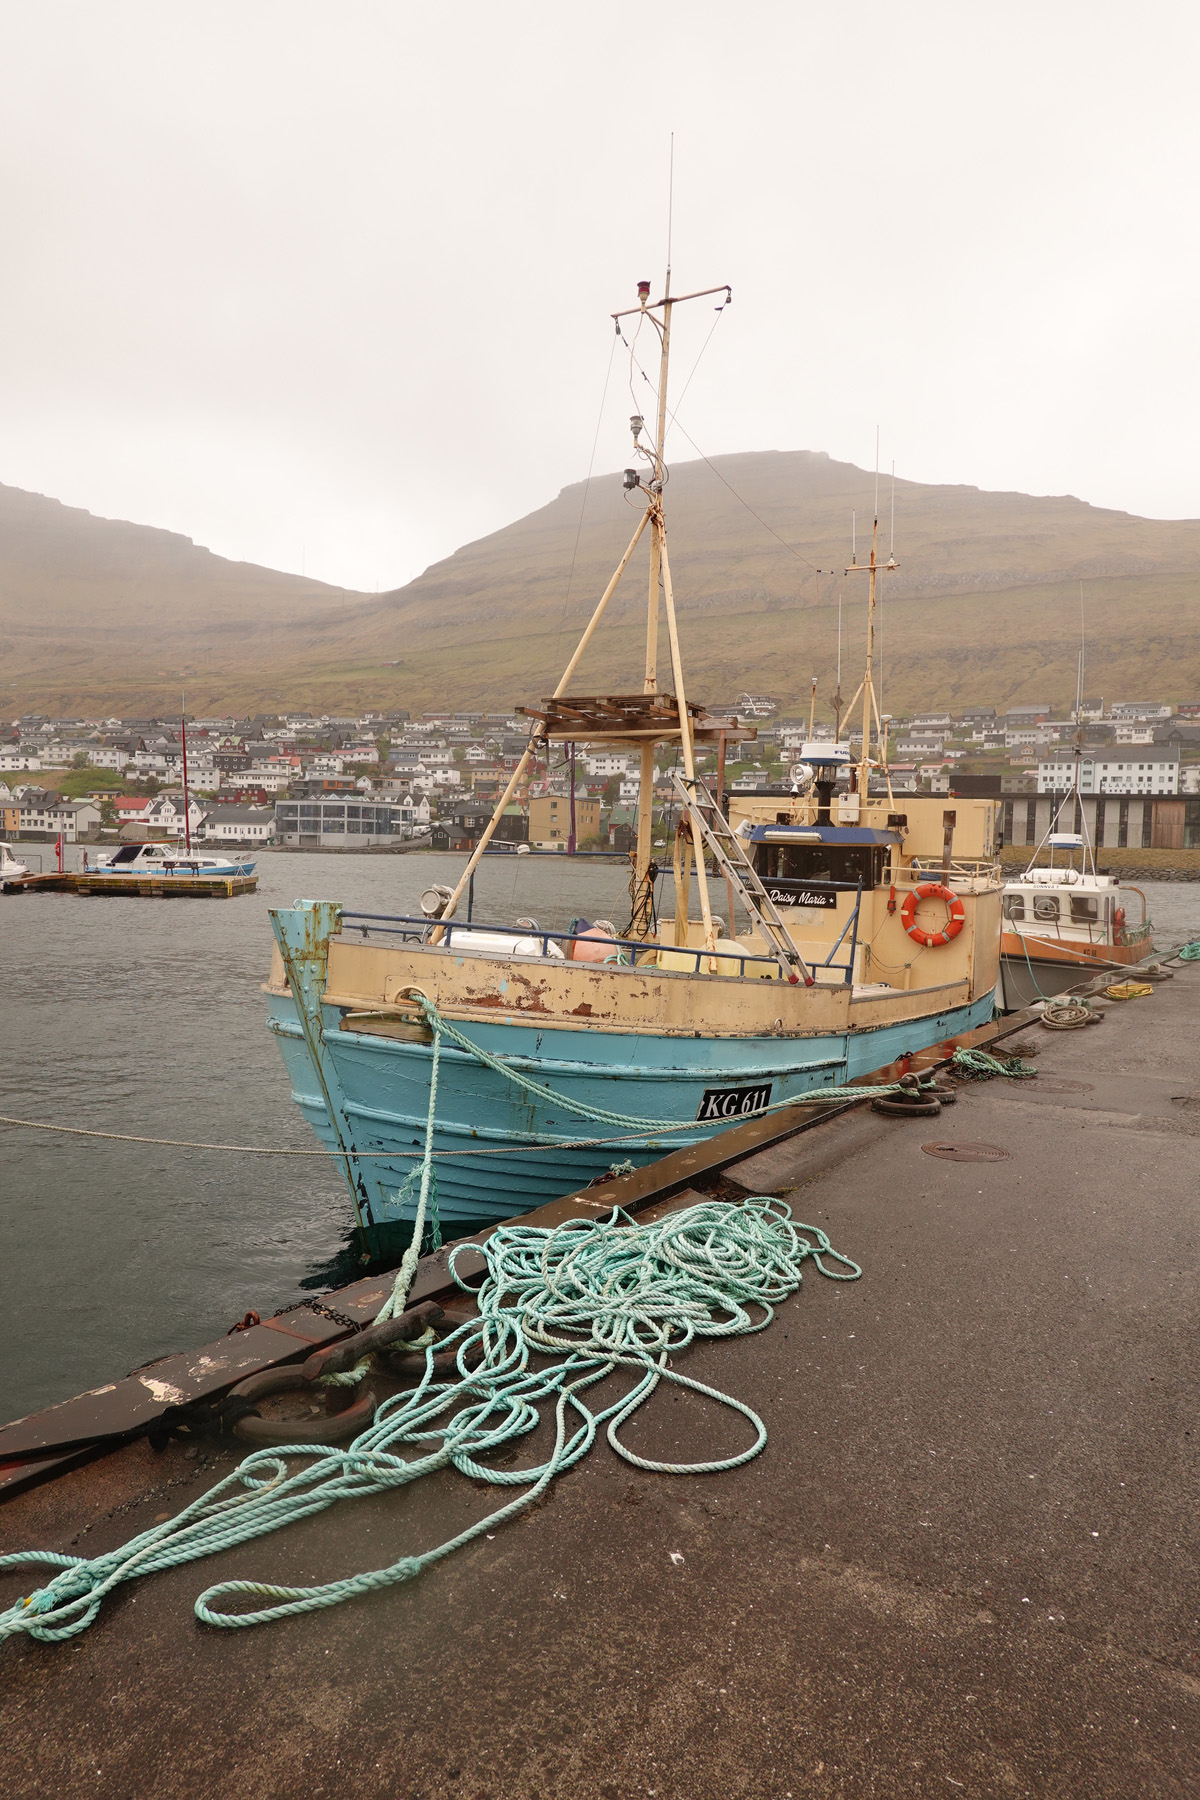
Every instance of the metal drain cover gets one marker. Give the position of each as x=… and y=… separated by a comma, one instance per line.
x=1054, y=1084
x=968, y=1152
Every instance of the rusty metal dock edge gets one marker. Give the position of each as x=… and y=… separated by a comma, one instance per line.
x=60, y=1437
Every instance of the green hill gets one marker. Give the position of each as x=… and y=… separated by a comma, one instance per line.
x=984, y=605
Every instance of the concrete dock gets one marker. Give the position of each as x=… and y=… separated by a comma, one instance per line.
x=965, y=1562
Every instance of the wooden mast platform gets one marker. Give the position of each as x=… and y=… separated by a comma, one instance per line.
x=628, y=718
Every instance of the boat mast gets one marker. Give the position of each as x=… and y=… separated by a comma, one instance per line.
x=660, y=576
x=650, y=684
x=187, y=810
x=867, y=687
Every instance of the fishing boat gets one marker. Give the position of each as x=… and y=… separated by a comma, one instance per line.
x=1064, y=924
x=855, y=931
x=167, y=859
x=12, y=869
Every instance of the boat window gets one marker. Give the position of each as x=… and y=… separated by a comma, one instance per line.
x=1045, y=906
x=1084, y=906
x=850, y=863
x=1014, y=906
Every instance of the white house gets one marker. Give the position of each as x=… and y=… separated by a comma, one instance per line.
x=238, y=825
x=166, y=814
x=1134, y=732
x=1138, y=709
x=603, y=764
x=1132, y=769
x=107, y=756
x=19, y=759
x=73, y=819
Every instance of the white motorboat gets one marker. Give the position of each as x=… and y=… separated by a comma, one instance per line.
x=167, y=859
x=11, y=867
x=1063, y=925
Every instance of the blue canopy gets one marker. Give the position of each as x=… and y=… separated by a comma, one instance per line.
x=822, y=834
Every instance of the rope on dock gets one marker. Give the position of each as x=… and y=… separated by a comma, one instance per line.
x=979, y=1066
x=581, y=1300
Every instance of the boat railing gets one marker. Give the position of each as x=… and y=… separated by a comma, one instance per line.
x=966, y=868
x=411, y=930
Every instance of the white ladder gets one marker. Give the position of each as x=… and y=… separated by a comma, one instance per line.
x=735, y=865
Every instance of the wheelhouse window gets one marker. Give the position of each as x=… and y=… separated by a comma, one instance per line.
x=1014, y=906
x=1045, y=906
x=1084, y=908
x=850, y=863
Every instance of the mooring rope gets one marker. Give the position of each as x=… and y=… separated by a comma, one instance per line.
x=583, y=1299
x=978, y=1065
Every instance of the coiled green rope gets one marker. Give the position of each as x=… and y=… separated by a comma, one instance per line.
x=583, y=1299
x=981, y=1067
x=1189, y=952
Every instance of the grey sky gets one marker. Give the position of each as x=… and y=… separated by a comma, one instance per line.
x=331, y=283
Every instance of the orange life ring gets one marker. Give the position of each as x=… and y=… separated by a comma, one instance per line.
x=933, y=890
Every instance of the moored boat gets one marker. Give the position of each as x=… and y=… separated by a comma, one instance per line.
x=167, y=859
x=1063, y=925
x=847, y=942
x=12, y=869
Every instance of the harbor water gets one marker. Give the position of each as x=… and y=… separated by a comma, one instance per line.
x=132, y=1016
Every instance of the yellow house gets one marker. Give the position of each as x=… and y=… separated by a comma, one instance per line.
x=550, y=821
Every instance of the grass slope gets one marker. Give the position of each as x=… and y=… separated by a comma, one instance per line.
x=984, y=606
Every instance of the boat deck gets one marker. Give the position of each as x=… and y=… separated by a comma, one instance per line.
x=149, y=886
x=960, y=1565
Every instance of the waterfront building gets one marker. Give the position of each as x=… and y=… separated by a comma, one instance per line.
x=550, y=820
x=237, y=825
x=1112, y=769
x=342, y=822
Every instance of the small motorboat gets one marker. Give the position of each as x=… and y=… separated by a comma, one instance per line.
x=1063, y=925
x=11, y=868
x=167, y=859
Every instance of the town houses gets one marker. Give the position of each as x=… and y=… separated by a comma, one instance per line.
x=389, y=779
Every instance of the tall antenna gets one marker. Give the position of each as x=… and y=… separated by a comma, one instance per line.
x=892, y=545
x=670, y=210
x=877, y=474
x=853, y=536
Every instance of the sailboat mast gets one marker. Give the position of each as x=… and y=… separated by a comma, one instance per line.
x=187, y=808
x=864, y=764
x=650, y=685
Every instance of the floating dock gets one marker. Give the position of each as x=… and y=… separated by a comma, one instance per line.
x=145, y=887
x=963, y=1562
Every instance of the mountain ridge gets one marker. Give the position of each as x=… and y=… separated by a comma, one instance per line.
x=986, y=593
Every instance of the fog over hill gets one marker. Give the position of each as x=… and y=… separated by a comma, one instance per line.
x=985, y=604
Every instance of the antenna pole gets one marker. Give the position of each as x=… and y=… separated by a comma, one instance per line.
x=868, y=690
x=864, y=761
x=187, y=810
x=812, y=709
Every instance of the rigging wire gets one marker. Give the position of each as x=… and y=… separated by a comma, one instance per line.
x=583, y=503
x=673, y=416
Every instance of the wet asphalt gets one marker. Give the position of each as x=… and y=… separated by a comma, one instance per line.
x=964, y=1564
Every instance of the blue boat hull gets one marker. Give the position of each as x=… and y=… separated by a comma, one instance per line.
x=500, y=1150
